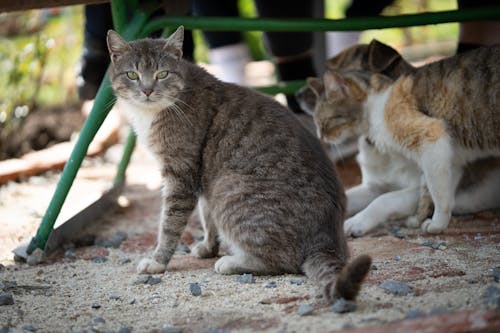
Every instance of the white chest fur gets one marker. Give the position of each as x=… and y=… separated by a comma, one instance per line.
x=140, y=119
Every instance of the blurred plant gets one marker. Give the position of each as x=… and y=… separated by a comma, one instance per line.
x=20, y=23
x=24, y=71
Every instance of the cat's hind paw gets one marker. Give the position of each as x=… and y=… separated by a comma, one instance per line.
x=432, y=228
x=413, y=222
x=227, y=265
x=150, y=266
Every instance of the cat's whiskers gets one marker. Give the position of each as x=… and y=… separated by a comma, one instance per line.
x=180, y=114
x=179, y=110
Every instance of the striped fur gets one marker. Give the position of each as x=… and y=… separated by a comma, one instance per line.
x=261, y=182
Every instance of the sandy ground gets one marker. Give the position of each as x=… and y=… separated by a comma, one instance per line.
x=96, y=289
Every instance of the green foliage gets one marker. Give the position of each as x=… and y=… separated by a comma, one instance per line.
x=37, y=61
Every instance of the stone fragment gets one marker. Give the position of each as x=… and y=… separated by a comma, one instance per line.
x=195, y=289
x=304, y=309
x=397, y=288
x=343, y=306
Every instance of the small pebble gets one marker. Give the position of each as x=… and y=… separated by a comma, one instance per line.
x=397, y=288
x=96, y=306
x=171, y=329
x=142, y=279
x=496, y=274
x=124, y=261
x=99, y=320
x=115, y=297
x=343, y=306
x=246, y=278
x=492, y=296
x=304, y=309
x=30, y=328
x=296, y=281
x=36, y=257
x=125, y=330
x=70, y=254
x=414, y=313
x=195, y=289
x=114, y=242
x=437, y=311
x=397, y=258
x=153, y=280
x=6, y=298
x=271, y=285
x=100, y=260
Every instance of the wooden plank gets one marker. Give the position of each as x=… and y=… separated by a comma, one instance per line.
x=10, y=6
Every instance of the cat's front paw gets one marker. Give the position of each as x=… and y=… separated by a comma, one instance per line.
x=203, y=250
x=413, y=222
x=432, y=228
x=354, y=227
x=150, y=266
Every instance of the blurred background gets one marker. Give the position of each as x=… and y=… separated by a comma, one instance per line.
x=40, y=52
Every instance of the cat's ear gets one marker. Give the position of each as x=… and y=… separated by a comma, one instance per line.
x=174, y=43
x=335, y=86
x=316, y=85
x=384, y=59
x=116, y=45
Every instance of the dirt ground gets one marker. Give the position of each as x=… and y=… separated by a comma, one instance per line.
x=94, y=288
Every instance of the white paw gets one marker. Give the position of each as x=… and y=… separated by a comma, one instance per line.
x=227, y=265
x=150, y=266
x=432, y=228
x=354, y=227
x=202, y=250
x=413, y=222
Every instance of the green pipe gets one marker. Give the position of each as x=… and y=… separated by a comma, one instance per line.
x=127, y=154
x=119, y=15
x=102, y=105
x=96, y=117
x=288, y=87
x=358, y=23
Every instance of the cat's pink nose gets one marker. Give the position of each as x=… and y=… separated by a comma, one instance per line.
x=147, y=92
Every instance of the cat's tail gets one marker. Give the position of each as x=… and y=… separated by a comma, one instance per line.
x=323, y=267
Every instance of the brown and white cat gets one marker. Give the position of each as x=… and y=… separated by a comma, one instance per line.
x=375, y=57
x=441, y=116
x=261, y=181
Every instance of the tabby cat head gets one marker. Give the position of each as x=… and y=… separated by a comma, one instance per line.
x=375, y=57
x=146, y=73
x=338, y=113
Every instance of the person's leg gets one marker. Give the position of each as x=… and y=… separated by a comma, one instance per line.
x=95, y=58
x=337, y=41
x=291, y=51
x=227, y=51
x=477, y=33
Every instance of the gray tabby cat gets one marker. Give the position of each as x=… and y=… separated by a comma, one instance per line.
x=262, y=183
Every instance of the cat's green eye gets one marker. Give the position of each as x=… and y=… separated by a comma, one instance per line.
x=161, y=75
x=132, y=75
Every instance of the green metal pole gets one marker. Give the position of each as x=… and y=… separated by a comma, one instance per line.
x=288, y=87
x=102, y=105
x=127, y=154
x=96, y=117
x=361, y=23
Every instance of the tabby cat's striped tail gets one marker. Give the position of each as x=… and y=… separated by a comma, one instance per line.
x=336, y=278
